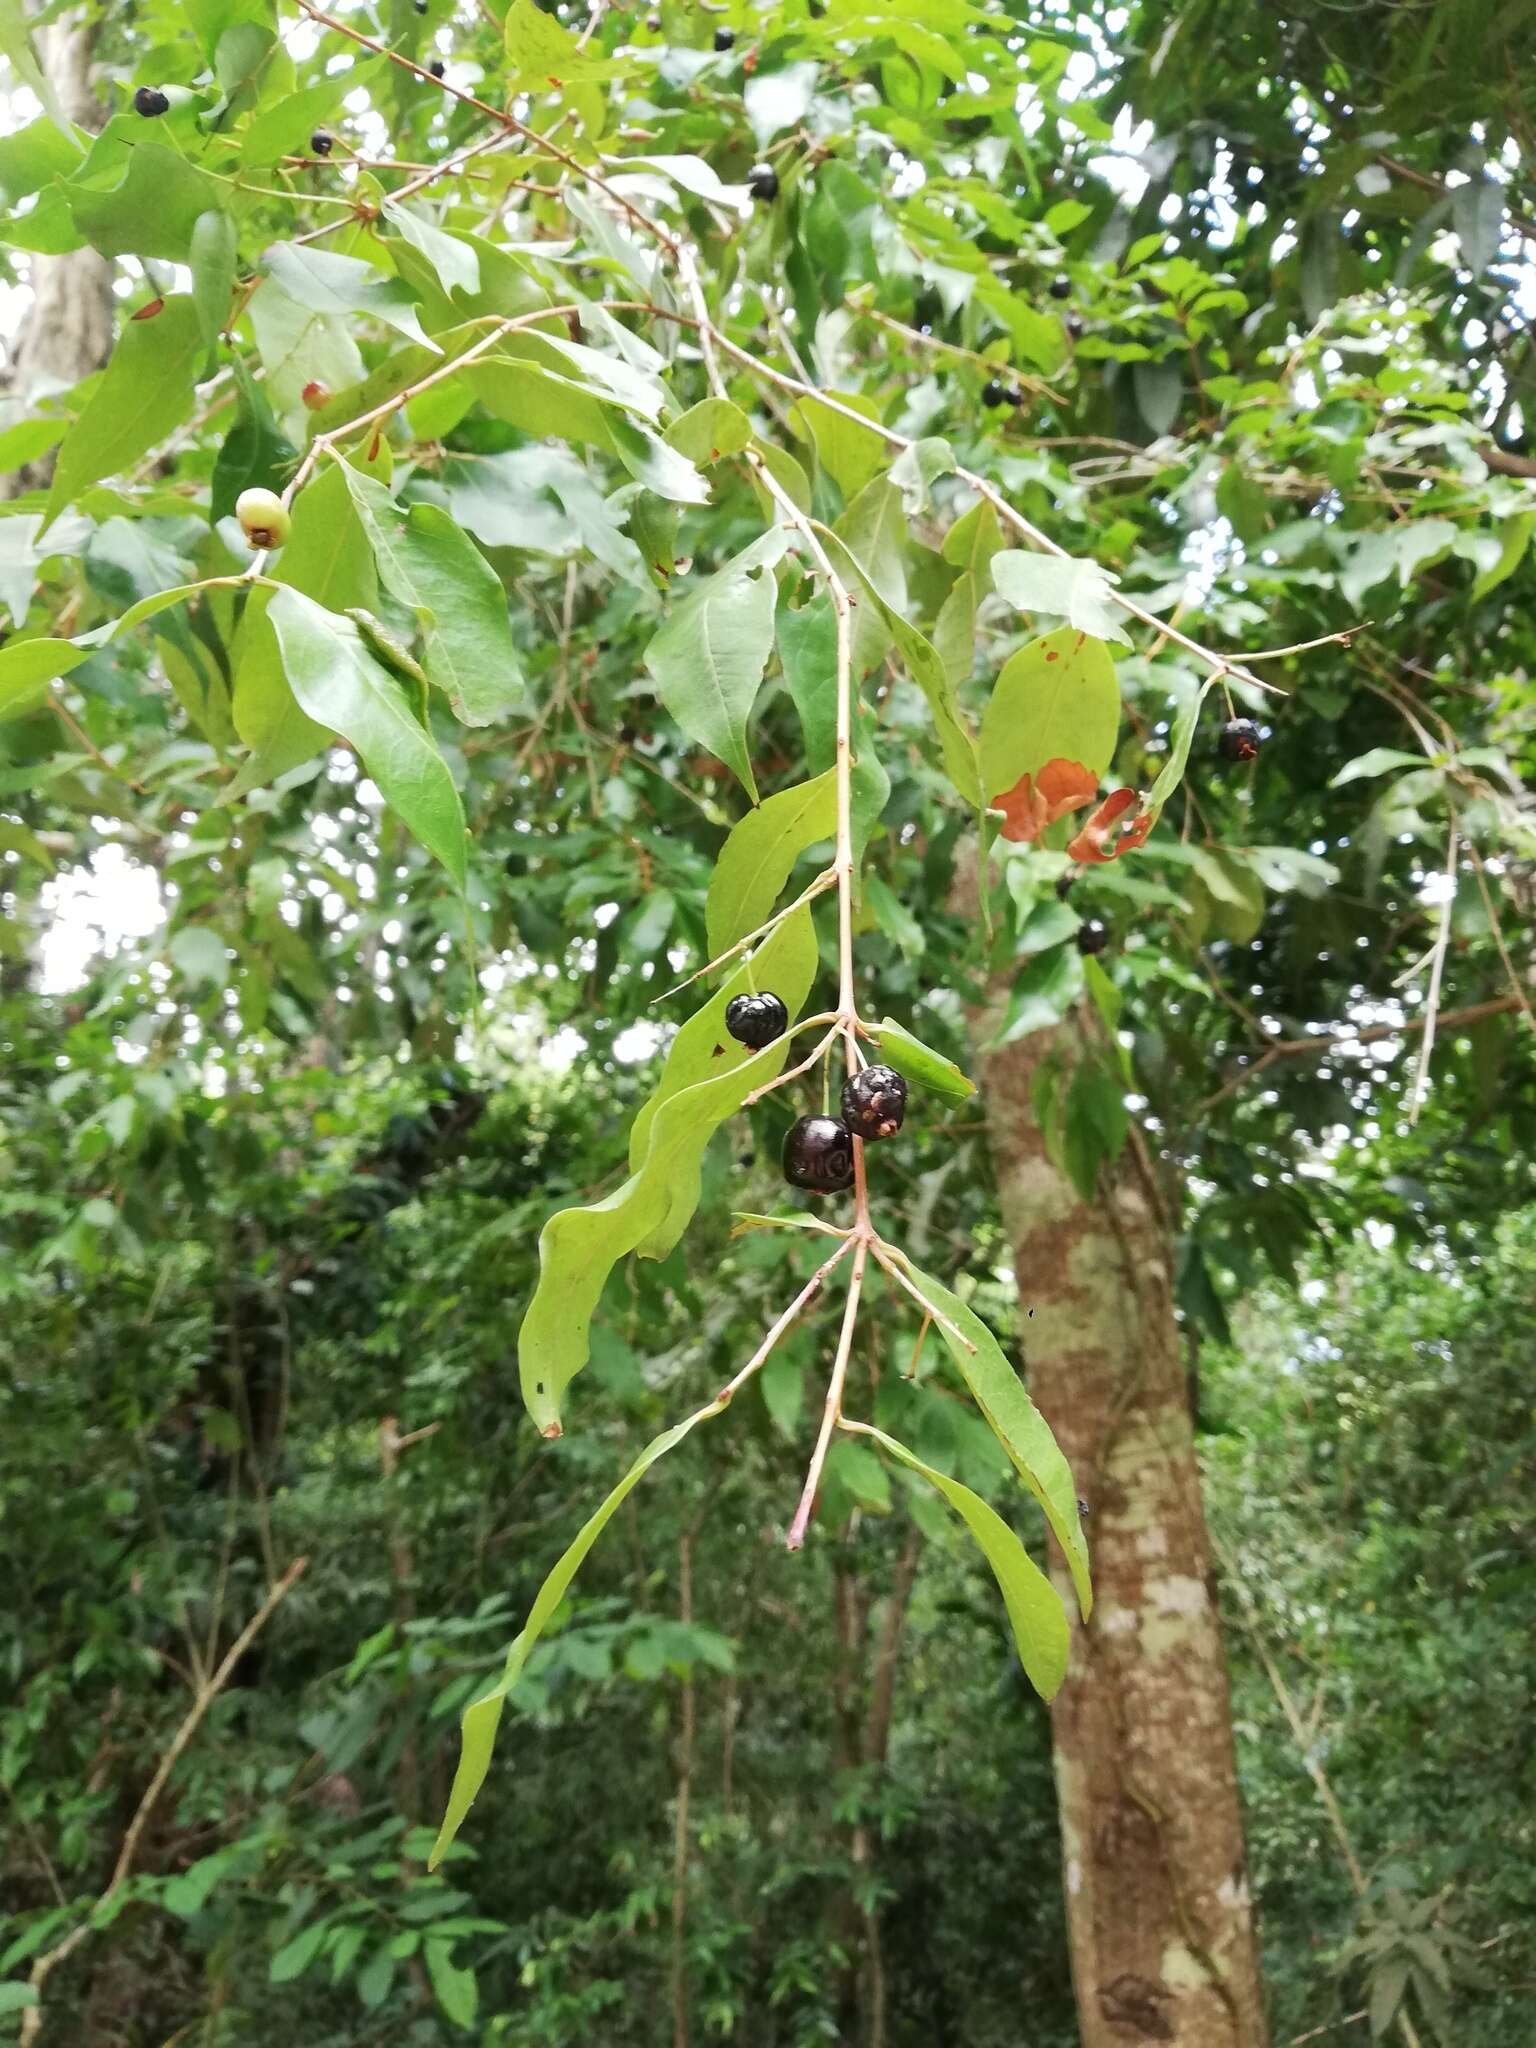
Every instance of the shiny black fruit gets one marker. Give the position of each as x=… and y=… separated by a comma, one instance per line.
x=763, y=182
x=320, y=143
x=1092, y=937
x=818, y=1154
x=437, y=67
x=1239, y=740
x=1061, y=286
x=150, y=101
x=725, y=39
x=993, y=393
x=874, y=1102
x=756, y=1020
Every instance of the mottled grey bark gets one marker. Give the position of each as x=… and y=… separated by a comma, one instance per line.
x=1158, y=1908
x=66, y=332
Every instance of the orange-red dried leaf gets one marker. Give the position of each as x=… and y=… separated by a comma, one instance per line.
x=1036, y=801
x=1100, y=839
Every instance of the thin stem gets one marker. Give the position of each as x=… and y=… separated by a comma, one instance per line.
x=1432, y=1006
x=819, y=1051
x=892, y=1261
x=832, y=1411
x=822, y=882
x=796, y=1309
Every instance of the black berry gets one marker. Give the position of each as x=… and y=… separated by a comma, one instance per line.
x=320, y=143
x=725, y=39
x=1061, y=286
x=421, y=6
x=874, y=1102
x=653, y=23
x=993, y=393
x=1063, y=885
x=756, y=1020
x=1092, y=937
x=1075, y=327
x=436, y=67
x=763, y=182
x=1239, y=740
x=151, y=102
x=818, y=1154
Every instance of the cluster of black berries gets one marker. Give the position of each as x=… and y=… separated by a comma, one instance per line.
x=818, y=1152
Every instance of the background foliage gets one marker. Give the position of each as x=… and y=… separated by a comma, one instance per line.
x=273, y=1171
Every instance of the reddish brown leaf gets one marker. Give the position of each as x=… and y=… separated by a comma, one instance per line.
x=1036, y=801
x=149, y=311
x=1100, y=839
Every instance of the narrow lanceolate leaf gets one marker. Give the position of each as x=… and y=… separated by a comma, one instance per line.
x=27, y=667
x=1080, y=592
x=339, y=684
x=145, y=391
x=1018, y=1425
x=1035, y=1612
x=579, y=1247
x=786, y=960
x=1180, y=740
x=919, y=1063
x=435, y=569
x=213, y=252
x=708, y=659
x=1056, y=699
x=483, y=1716
x=756, y=860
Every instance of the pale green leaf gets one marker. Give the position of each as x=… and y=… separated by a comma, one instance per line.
x=1035, y=1612
x=1017, y=1424
x=148, y=388
x=213, y=251
x=1055, y=699
x=340, y=685
x=1080, y=592
x=483, y=1716
x=707, y=661
x=757, y=858
x=1375, y=761
x=453, y=257
x=456, y=1989
x=343, y=285
x=919, y=1063
x=27, y=667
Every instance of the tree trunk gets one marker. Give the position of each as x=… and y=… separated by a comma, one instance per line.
x=1158, y=1910
x=66, y=332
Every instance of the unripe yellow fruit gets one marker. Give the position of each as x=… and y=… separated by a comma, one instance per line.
x=263, y=518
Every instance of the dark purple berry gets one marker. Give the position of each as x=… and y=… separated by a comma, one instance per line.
x=1063, y=885
x=874, y=1102
x=1239, y=740
x=763, y=182
x=725, y=39
x=818, y=1154
x=321, y=143
x=1076, y=327
x=151, y=102
x=437, y=67
x=993, y=393
x=1061, y=286
x=421, y=6
x=756, y=1020
x=1092, y=937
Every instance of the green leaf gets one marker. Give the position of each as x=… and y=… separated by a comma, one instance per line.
x=919, y=1063
x=255, y=451
x=339, y=684
x=1080, y=592
x=1159, y=391
x=850, y=454
x=483, y=1716
x=153, y=207
x=1388, y=1983
x=33, y=156
x=214, y=248
x=808, y=650
x=1477, y=213
x=578, y=1248
x=1055, y=699
x=708, y=659
x=436, y=570
x=1375, y=761
x=709, y=431
x=1236, y=892
x=298, y=347
x=1180, y=740
x=340, y=286
x=16, y=1996
x=375, y=1977
x=757, y=858
x=539, y=50
x=1515, y=534
x=1017, y=1424
x=1043, y=992
x=918, y=468
x=200, y=955
x=703, y=1047
x=456, y=1989
x=861, y=1476
x=27, y=667
x=1035, y=1612
x=453, y=257
x=147, y=389
x=295, y=1957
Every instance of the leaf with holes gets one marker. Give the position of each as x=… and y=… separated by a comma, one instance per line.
x=1056, y=699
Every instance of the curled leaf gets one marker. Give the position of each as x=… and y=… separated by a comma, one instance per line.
x=1038, y=800
x=1102, y=838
